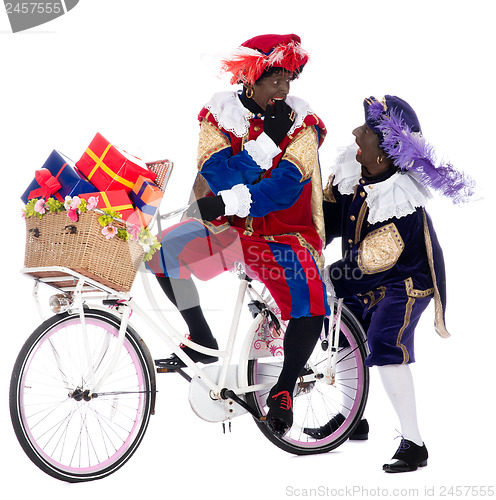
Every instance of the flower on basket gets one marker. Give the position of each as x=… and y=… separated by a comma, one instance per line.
x=75, y=206
x=71, y=203
x=40, y=206
x=109, y=231
x=92, y=202
x=148, y=242
x=133, y=231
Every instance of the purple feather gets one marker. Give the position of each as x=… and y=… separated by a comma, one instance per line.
x=375, y=111
x=411, y=152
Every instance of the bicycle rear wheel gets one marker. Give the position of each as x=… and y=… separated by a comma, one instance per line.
x=67, y=433
x=324, y=415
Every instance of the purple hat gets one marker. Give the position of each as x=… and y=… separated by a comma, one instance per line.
x=400, y=137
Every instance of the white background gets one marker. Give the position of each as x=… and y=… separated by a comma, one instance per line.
x=138, y=72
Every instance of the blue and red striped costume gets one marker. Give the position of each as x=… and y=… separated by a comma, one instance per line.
x=280, y=241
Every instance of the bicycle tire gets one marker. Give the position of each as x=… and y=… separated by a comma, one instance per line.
x=324, y=415
x=65, y=433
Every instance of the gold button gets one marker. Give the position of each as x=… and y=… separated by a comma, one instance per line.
x=352, y=217
x=365, y=301
x=350, y=241
x=256, y=129
x=362, y=194
x=362, y=181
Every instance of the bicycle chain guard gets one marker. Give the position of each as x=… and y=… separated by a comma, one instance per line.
x=214, y=410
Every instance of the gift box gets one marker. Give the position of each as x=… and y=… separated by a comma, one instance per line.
x=57, y=178
x=117, y=200
x=146, y=197
x=110, y=168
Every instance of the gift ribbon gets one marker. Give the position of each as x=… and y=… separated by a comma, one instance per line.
x=99, y=164
x=60, y=171
x=108, y=204
x=146, y=208
x=48, y=184
x=141, y=205
x=57, y=195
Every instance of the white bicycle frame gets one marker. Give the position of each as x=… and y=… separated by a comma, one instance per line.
x=172, y=337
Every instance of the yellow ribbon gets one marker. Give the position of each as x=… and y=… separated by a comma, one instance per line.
x=99, y=164
x=109, y=205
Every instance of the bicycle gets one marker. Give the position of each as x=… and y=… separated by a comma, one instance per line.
x=83, y=386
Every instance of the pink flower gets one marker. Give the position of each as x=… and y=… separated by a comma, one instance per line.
x=40, y=206
x=72, y=214
x=72, y=203
x=76, y=201
x=92, y=202
x=133, y=231
x=109, y=231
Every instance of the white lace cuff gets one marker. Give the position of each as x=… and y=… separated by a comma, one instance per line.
x=262, y=150
x=326, y=278
x=237, y=200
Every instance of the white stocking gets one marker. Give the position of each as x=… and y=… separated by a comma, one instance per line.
x=398, y=383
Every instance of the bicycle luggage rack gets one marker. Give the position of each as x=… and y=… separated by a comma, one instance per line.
x=66, y=280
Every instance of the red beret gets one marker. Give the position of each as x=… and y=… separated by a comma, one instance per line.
x=264, y=51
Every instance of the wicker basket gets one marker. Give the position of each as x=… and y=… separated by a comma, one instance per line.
x=163, y=169
x=56, y=241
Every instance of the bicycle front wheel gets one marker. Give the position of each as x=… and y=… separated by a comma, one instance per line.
x=324, y=415
x=68, y=431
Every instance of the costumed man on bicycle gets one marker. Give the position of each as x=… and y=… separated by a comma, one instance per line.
x=392, y=263
x=259, y=201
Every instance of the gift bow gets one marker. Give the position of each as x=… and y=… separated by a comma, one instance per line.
x=48, y=184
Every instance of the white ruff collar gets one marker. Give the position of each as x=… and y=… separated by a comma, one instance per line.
x=397, y=196
x=232, y=116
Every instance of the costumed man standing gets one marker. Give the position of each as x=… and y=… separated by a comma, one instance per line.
x=392, y=263
x=259, y=191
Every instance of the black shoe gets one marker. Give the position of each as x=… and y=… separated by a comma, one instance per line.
x=361, y=432
x=173, y=362
x=409, y=457
x=327, y=429
x=280, y=415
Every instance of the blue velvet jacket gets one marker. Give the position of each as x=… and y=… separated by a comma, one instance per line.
x=378, y=251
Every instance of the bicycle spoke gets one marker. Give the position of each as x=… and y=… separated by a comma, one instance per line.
x=323, y=414
x=79, y=435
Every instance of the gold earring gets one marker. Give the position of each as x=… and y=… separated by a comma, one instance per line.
x=379, y=160
x=249, y=92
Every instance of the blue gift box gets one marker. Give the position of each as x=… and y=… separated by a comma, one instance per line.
x=64, y=172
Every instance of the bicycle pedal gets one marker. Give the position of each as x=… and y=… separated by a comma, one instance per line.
x=174, y=370
x=167, y=370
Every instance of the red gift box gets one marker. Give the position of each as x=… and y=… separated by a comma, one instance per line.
x=146, y=197
x=109, y=168
x=117, y=200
